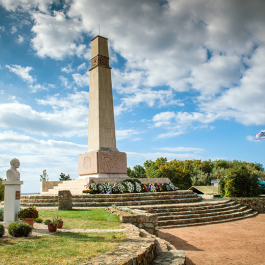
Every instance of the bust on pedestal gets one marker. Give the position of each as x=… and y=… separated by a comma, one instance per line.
x=12, y=193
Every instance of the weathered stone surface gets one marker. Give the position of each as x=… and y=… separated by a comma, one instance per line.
x=255, y=204
x=64, y=200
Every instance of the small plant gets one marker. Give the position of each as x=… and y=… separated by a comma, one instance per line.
x=47, y=221
x=2, y=230
x=30, y=212
x=55, y=221
x=19, y=229
x=1, y=214
x=39, y=220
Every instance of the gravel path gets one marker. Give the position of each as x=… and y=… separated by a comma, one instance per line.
x=41, y=230
x=233, y=243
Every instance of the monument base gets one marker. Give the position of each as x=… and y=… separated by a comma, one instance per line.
x=12, y=201
x=102, y=162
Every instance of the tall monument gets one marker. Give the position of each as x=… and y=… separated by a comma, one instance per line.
x=102, y=158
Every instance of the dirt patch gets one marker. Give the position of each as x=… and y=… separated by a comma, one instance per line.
x=233, y=243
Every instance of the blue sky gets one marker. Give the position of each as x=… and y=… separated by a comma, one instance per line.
x=188, y=80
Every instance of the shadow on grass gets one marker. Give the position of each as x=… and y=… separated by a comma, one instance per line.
x=87, y=237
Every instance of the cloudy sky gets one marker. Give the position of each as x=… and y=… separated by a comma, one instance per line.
x=188, y=80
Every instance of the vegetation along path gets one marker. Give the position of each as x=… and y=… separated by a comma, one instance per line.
x=233, y=243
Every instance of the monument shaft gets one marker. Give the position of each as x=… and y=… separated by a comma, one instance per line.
x=101, y=126
x=102, y=155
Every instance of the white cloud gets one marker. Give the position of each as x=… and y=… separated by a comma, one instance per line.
x=81, y=67
x=182, y=149
x=22, y=72
x=68, y=69
x=13, y=29
x=33, y=165
x=69, y=116
x=56, y=36
x=27, y=5
x=20, y=39
x=23, y=144
x=81, y=80
x=2, y=92
x=125, y=134
x=2, y=28
x=154, y=155
x=250, y=138
x=65, y=82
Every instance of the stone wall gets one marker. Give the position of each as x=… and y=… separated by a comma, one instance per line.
x=141, y=248
x=46, y=185
x=140, y=219
x=255, y=204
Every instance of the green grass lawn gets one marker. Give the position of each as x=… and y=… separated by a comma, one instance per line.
x=58, y=248
x=65, y=247
x=85, y=218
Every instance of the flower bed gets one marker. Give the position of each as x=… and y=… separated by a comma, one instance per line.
x=127, y=186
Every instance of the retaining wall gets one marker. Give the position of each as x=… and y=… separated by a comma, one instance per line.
x=141, y=248
x=255, y=204
x=140, y=219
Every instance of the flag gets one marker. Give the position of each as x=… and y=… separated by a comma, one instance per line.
x=260, y=135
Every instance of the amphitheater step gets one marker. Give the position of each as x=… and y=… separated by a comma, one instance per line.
x=189, y=215
x=105, y=200
x=251, y=214
x=206, y=218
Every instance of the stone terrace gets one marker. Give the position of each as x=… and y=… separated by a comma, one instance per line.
x=105, y=200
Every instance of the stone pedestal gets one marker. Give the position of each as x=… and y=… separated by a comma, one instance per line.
x=12, y=201
x=102, y=163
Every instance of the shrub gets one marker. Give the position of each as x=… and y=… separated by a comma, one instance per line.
x=39, y=220
x=1, y=214
x=239, y=182
x=19, y=229
x=2, y=190
x=2, y=230
x=30, y=212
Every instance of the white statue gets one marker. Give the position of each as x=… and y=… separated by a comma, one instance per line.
x=13, y=174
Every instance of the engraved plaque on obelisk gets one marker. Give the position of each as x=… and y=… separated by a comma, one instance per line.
x=102, y=157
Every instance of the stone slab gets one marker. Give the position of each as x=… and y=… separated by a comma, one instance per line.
x=102, y=162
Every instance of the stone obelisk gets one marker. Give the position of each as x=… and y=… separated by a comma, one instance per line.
x=102, y=158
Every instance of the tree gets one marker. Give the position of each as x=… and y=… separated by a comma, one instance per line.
x=63, y=177
x=44, y=177
x=2, y=190
x=137, y=172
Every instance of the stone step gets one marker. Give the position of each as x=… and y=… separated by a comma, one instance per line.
x=251, y=214
x=144, y=194
x=129, y=203
x=166, y=223
x=199, y=210
x=191, y=214
x=39, y=204
x=132, y=198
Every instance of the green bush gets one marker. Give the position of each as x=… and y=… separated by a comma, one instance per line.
x=39, y=220
x=19, y=229
x=2, y=230
x=1, y=214
x=2, y=190
x=239, y=182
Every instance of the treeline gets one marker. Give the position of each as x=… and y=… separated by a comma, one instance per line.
x=187, y=173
